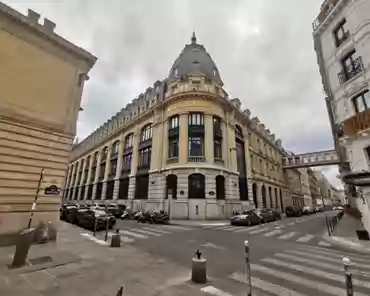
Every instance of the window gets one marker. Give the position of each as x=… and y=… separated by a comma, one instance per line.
x=145, y=156
x=173, y=122
x=196, y=119
x=105, y=153
x=173, y=147
x=126, y=165
x=217, y=149
x=214, y=72
x=217, y=125
x=361, y=102
x=87, y=163
x=176, y=71
x=351, y=67
x=146, y=133
x=115, y=147
x=129, y=141
x=340, y=33
x=113, y=168
x=196, y=146
x=196, y=186
x=95, y=159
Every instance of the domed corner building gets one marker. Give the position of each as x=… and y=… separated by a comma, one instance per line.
x=182, y=146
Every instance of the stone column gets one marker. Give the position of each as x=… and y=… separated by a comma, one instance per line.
x=164, y=151
x=119, y=167
x=75, y=181
x=134, y=164
x=183, y=139
x=96, y=177
x=157, y=143
x=259, y=194
x=232, y=149
x=225, y=147
x=69, y=176
x=208, y=138
x=79, y=197
x=88, y=177
x=106, y=172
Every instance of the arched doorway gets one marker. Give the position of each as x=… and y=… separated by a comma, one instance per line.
x=263, y=192
x=281, y=202
x=276, y=199
x=220, y=187
x=196, y=186
x=254, y=190
x=270, y=197
x=171, y=186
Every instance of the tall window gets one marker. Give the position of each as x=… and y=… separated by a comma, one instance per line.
x=146, y=133
x=196, y=119
x=126, y=165
x=129, y=141
x=217, y=138
x=341, y=33
x=145, y=156
x=351, y=65
x=361, y=102
x=196, y=145
x=173, y=137
x=241, y=163
x=196, y=135
x=104, y=154
x=115, y=148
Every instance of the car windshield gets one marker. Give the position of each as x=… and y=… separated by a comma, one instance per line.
x=100, y=213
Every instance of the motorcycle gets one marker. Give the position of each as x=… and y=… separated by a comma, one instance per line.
x=145, y=217
x=160, y=217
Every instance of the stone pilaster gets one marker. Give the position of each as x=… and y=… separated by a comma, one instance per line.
x=75, y=182
x=88, y=178
x=208, y=138
x=131, y=188
x=96, y=177
x=106, y=172
x=82, y=183
x=135, y=152
x=183, y=139
x=259, y=194
x=119, y=167
x=250, y=190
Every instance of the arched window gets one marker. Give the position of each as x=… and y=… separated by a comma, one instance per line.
x=146, y=132
x=196, y=186
x=220, y=187
x=171, y=186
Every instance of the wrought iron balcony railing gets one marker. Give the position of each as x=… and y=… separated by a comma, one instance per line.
x=196, y=159
x=351, y=70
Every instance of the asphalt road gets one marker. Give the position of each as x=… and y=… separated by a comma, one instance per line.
x=288, y=257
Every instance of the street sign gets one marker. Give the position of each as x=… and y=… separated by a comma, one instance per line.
x=52, y=190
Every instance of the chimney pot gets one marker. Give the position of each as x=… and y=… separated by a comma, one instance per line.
x=33, y=16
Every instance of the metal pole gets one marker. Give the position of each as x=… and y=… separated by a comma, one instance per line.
x=327, y=224
x=348, y=276
x=36, y=197
x=106, y=229
x=247, y=268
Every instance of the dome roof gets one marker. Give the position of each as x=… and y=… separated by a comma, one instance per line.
x=195, y=59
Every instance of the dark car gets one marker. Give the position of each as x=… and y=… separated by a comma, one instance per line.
x=276, y=214
x=245, y=218
x=265, y=215
x=64, y=209
x=114, y=209
x=293, y=211
x=100, y=217
x=307, y=210
x=74, y=212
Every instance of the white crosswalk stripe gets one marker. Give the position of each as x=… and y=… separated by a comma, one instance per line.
x=146, y=232
x=157, y=230
x=288, y=235
x=134, y=234
x=305, y=238
x=274, y=232
x=307, y=270
x=260, y=230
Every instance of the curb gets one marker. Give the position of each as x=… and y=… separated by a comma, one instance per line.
x=345, y=244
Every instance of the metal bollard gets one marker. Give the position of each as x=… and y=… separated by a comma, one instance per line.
x=248, y=276
x=95, y=223
x=116, y=240
x=24, y=243
x=106, y=229
x=348, y=276
x=199, y=269
x=120, y=291
x=327, y=224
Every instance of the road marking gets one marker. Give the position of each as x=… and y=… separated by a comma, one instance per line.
x=129, y=233
x=215, y=224
x=306, y=238
x=315, y=272
x=324, y=244
x=291, y=223
x=266, y=286
x=124, y=239
x=158, y=230
x=271, y=233
x=231, y=228
x=319, y=287
x=173, y=227
x=246, y=229
x=93, y=238
x=260, y=230
x=288, y=235
x=147, y=232
x=221, y=227
x=214, y=291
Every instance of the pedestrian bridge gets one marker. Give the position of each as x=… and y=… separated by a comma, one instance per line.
x=312, y=159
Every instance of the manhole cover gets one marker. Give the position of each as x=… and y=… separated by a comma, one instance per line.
x=40, y=260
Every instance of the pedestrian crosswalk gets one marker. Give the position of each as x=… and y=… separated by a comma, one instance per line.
x=302, y=271
x=130, y=235
x=276, y=230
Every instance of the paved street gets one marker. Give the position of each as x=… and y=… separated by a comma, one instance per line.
x=288, y=257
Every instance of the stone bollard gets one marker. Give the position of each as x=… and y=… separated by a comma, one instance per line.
x=199, y=269
x=23, y=245
x=116, y=240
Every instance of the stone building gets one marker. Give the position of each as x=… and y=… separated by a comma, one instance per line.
x=305, y=184
x=182, y=146
x=42, y=77
x=314, y=187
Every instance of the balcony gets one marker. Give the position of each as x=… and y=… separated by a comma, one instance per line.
x=351, y=71
x=172, y=160
x=196, y=159
x=357, y=123
x=326, y=9
x=344, y=38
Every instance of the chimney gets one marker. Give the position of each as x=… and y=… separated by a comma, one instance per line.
x=33, y=16
x=49, y=26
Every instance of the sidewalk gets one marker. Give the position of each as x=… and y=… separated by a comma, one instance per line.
x=75, y=265
x=344, y=235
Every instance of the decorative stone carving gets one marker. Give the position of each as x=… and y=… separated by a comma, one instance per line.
x=354, y=88
x=236, y=102
x=255, y=120
x=247, y=113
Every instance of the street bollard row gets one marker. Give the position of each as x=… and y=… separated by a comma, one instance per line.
x=348, y=276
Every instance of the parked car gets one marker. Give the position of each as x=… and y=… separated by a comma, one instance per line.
x=293, y=211
x=114, y=209
x=92, y=216
x=74, y=212
x=265, y=215
x=64, y=209
x=307, y=210
x=245, y=218
x=277, y=215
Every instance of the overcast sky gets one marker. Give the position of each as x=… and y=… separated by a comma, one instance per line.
x=263, y=49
